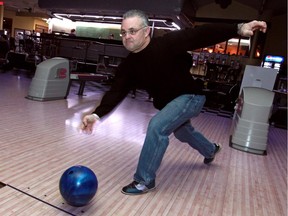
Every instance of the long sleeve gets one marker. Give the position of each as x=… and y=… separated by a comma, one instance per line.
x=118, y=91
x=200, y=36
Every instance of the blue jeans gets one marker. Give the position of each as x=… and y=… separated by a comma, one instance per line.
x=174, y=117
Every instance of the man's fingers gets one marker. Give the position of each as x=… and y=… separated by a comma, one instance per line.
x=84, y=124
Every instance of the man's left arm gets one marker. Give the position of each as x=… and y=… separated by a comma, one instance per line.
x=210, y=34
x=248, y=29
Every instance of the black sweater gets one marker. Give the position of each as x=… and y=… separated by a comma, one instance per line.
x=162, y=68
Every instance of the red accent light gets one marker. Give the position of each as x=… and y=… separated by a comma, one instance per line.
x=1, y=3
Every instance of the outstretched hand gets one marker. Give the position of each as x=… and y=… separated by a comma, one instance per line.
x=88, y=123
x=248, y=29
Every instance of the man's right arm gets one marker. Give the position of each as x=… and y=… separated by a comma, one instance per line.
x=118, y=91
x=109, y=101
x=112, y=98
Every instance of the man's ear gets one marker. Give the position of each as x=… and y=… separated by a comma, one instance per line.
x=147, y=31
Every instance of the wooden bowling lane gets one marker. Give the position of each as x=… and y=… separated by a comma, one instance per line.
x=39, y=141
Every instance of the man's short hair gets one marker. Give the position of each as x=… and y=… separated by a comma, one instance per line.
x=138, y=13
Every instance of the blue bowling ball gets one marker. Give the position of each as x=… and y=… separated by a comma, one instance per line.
x=78, y=185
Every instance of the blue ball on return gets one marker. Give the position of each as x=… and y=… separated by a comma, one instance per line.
x=78, y=185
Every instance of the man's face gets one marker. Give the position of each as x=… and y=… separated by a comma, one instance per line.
x=135, y=35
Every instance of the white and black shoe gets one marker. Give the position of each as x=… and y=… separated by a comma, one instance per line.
x=136, y=188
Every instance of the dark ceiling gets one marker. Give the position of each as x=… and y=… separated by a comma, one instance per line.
x=156, y=6
x=186, y=9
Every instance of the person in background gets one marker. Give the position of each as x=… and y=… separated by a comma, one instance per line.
x=111, y=37
x=161, y=66
x=72, y=33
x=12, y=44
x=4, y=46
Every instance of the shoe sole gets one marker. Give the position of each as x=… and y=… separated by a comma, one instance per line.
x=135, y=194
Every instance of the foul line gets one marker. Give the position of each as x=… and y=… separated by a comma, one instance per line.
x=37, y=198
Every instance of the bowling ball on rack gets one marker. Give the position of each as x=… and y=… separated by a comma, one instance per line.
x=78, y=185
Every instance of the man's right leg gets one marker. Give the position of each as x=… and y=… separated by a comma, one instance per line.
x=187, y=133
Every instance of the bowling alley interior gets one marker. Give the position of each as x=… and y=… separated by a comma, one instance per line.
x=57, y=60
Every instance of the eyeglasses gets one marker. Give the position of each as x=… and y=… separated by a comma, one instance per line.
x=131, y=31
